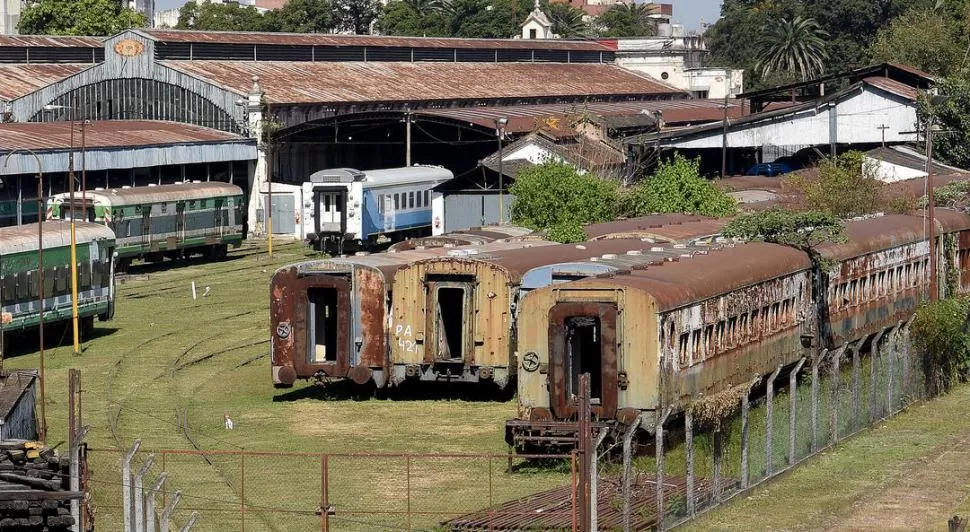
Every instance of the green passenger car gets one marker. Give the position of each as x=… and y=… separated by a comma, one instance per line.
x=20, y=278
x=164, y=221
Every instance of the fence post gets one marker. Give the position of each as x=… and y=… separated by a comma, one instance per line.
x=689, y=447
x=907, y=382
x=792, y=418
x=140, y=493
x=628, y=470
x=169, y=510
x=856, y=390
x=594, y=481
x=150, y=502
x=890, y=368
x=718, y=452
x=575, y=480
x=816, y=360
x=875, y=357
x=191, y=522
x=836, y=384
x=769, y=419
x=585, y=435
x=659, y=447
x=126, y=486
x=75, y=471
x=745, y=407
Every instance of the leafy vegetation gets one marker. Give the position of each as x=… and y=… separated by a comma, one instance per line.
x=845, y=186
x=627, y=20
x=555, y=195
x=922, y=38
x=803, y=230
x=77, y=17
x=298, y=16
x=953, y=116
x=677, y=186
x=940, y=333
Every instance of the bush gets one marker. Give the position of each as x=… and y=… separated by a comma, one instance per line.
x=677, y=186
x=939, y=332
x=567, y=232
x=556, y=194
x=845, y=186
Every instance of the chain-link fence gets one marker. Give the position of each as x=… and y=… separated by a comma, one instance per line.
x=254, y=490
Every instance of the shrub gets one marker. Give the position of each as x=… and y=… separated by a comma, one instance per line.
x=555, y=193
x=845, y=186
x=940, y=333
x=677, y=186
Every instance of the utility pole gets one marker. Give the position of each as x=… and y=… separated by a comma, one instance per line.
x=931, y=208
x=883, y=129
x=407, y=135
x=724, y=140
x=500, y=124
x=73, y=180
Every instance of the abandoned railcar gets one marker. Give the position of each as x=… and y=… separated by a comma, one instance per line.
x=882, y=272
x=328, y=318
x=454, y=315
x=657, y=337
x=659, y=228
x=468, y=237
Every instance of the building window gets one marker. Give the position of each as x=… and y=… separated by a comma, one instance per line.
x=532, y=34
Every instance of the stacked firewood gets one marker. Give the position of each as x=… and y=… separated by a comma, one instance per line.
x=34, y=487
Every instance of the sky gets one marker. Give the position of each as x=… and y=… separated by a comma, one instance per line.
x=687, y=12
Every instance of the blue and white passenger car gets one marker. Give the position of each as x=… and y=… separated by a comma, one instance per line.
x=347, y=204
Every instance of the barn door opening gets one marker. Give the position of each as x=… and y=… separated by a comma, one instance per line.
x=323, y=325
x=451, y=310
x=584, y=354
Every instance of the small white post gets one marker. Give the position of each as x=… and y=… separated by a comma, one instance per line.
x=169, y=510
x=193, y=290
x=140, y=494
x=150, y=502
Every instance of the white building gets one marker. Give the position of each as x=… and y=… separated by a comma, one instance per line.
x=167, y=18
x=675, y=58
x=10, y=16
x=537, y=25
x=145, y=7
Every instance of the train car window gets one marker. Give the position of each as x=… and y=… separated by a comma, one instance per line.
x=733, y=331
x=326, y=202
x=743, y=326
x=9, y=288
x=883, y=289
x=909, y=275
x=85, y=275
x=682, y=345
x=427, y=194
x=164, y=207
x=696, y=348
x=417, y=200
x=396, y=203
x=23, y=285
x=708, y=341
x=60, y=275
x=410, y=200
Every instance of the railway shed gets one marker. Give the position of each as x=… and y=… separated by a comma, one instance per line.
x=116, y=154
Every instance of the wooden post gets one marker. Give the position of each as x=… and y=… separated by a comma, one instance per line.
x=585, y=435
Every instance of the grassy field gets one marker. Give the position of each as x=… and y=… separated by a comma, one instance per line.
x=168, y=367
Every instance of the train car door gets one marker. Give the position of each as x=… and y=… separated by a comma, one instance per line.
x=582, y=339
x=146, y=225
x=218, y=213
x=449, y=304
x=329, y=210
x=180, y=221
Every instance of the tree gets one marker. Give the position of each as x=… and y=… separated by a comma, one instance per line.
x=795, y=46
x=301, y=16
x=554, y=195
x=77, y=17
x=677, y=186
x=845, y=186
x=418, y=18
x=802, y=230
x=567, y=21
x=627, y=20
x=355, y=16
x=953, y=116
x=219, y=17
x=924, y=39
x=941, y=335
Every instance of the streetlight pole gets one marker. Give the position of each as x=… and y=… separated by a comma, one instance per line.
x=931, y=126
x=500, y=124
x=40, y=269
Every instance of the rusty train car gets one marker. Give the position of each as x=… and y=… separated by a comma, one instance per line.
x=468, y=237
x=659, y=336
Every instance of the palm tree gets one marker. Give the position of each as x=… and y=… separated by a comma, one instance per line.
x=628, y=20
x=567, y=21
x=424, y=7
x=795, y=46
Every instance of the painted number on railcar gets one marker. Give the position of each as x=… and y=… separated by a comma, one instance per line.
x=405, y=338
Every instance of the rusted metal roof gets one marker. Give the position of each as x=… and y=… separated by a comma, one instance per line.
x=20, y=80
x=526, y=118
x=519, y=261
x=471, y=236
x=359, y=82
x=641, y=223
x=952, y=221
x=57, y=233
x=703, y=276
x=893, y=87
x=52, y=136
x=876, y=233
x=675, y=231
x=50, y=41
x=237, y=37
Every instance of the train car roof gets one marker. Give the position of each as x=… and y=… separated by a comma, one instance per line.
x=876, y=233
x=952, y=221
x=675, y=284
x=153, y=194
x=641, y=224
x=471, y=236
x=57, y=233
x=673, y=232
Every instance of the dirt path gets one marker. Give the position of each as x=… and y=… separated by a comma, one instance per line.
x=922, y=497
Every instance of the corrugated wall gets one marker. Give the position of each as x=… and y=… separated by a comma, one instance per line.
x=463, y=211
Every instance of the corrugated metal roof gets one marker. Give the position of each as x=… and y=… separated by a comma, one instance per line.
x=653, y=222
x=50, y=41
x=874, y=234
x=57, y=233
x=20, y=80
x=893, y=87
x=52, y=136
x=235, y=37
x=359, y=82
x=525, y=118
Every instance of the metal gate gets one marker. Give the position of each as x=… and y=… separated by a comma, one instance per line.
x=284, y=213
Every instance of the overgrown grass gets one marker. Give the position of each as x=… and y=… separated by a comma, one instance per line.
x=147, y=376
